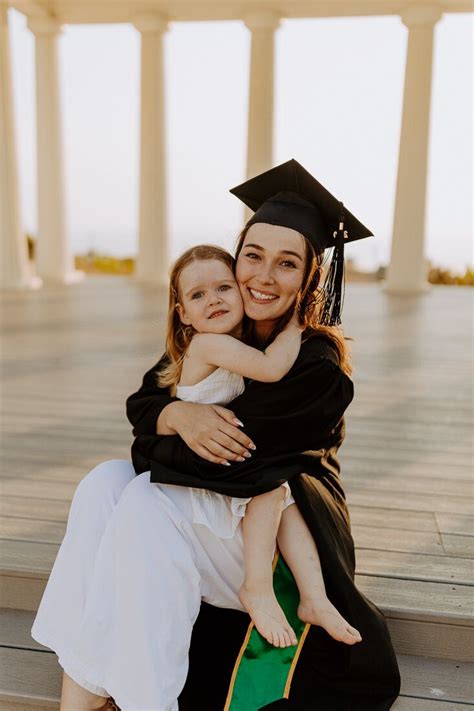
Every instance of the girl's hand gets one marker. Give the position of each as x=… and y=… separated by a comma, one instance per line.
x=211, y=431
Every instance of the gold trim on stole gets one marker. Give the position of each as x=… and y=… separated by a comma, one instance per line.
x=291, y=672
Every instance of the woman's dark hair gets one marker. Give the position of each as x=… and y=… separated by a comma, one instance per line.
x=309, y=305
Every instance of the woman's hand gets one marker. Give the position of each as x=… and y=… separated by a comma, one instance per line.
x=211, y=431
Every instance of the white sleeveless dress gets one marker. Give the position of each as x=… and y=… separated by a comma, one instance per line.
x=220, y=513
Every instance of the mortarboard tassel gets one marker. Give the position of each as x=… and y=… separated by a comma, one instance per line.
x=333, y=288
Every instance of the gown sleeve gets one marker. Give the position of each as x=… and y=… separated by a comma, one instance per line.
x=145, y=406
x=288, y=421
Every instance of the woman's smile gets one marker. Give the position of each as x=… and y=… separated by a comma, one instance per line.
x=260, y=296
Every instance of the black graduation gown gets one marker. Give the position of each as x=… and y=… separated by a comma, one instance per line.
x=297, y=425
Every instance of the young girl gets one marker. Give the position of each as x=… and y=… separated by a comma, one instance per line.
x=207, y=364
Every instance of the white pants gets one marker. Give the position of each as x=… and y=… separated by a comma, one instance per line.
x=127, y=584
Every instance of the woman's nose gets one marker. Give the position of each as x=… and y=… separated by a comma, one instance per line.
x=265, y=274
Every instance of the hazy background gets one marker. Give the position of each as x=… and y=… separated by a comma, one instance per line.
x=339, y=88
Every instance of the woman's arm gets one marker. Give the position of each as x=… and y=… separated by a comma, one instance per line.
x=149, y=402
x=230, y=353
x=212, y=431
x=301, y=412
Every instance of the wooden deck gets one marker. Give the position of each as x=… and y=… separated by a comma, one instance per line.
x=71, y=355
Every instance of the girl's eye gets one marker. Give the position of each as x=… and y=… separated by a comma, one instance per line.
x=288, y=263
x=197, y=295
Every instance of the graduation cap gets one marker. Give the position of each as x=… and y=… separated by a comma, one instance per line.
x=289, y=196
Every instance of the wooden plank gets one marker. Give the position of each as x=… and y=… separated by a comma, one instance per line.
x=437, y=679
x=393, y=539
x=27, y=557
x=432, y=639
x=414, y=502
x=412, y=566
x=353, y=467
x=455, y=523
x=408, y=703
x=419, y=600
x=395, y=480
x=461, y=546
x=24, y=529
x=377, y=538
x=38, y=509
x=29, y=676
x=19, y=592
x=44, y=471
x=32, y=557
x=401, y=454
x=15, y=629
x=41, y=489
x=13, y=706
x=393, y=518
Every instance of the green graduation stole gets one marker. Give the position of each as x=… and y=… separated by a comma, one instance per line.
x=262, y=672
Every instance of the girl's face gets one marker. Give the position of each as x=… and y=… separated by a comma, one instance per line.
x=270, y=270
x=209, y=298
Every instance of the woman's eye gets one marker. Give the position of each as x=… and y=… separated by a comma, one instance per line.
x=252, y=255
x=197, y=295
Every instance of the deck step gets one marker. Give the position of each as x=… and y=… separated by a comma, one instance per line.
x=30, y=678
x=441, y=628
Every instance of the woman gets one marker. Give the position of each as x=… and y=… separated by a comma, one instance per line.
x=139, y=589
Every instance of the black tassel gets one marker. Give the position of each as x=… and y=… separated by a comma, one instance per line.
x=333, y=288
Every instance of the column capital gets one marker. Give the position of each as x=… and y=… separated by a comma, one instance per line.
x=261, y=20
x=150, y=22
x=421, y=15
x=44, y=25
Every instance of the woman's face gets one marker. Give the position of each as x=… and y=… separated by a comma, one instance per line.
x=269, y=271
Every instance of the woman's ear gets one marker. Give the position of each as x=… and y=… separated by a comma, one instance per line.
x=182, y=315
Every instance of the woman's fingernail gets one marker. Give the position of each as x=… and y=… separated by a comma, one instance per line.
x=252, y=446
x=238, y=422
x=226, y=464
x=247, y=454
x=240, y=459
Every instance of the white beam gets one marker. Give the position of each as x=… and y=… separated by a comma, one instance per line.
x=54, y=259
x=152, y=259
x=14, y=267
x=116, y=11
x=407, y=272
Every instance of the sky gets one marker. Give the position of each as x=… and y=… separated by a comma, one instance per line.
x=338, y=102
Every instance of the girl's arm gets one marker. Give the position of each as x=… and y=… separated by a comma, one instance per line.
x=146, y=406
x=266, y=367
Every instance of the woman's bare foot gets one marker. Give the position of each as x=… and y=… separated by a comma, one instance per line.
x=321, y=612
x=267, y=615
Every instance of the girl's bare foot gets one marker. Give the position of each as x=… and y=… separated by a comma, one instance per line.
x=321, y=612
x=267, y=615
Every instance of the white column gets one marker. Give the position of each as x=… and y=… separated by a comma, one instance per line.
x=262, y=25
x=152, y=259
x=407, y=270
x=54, y=258
x=14, y=267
